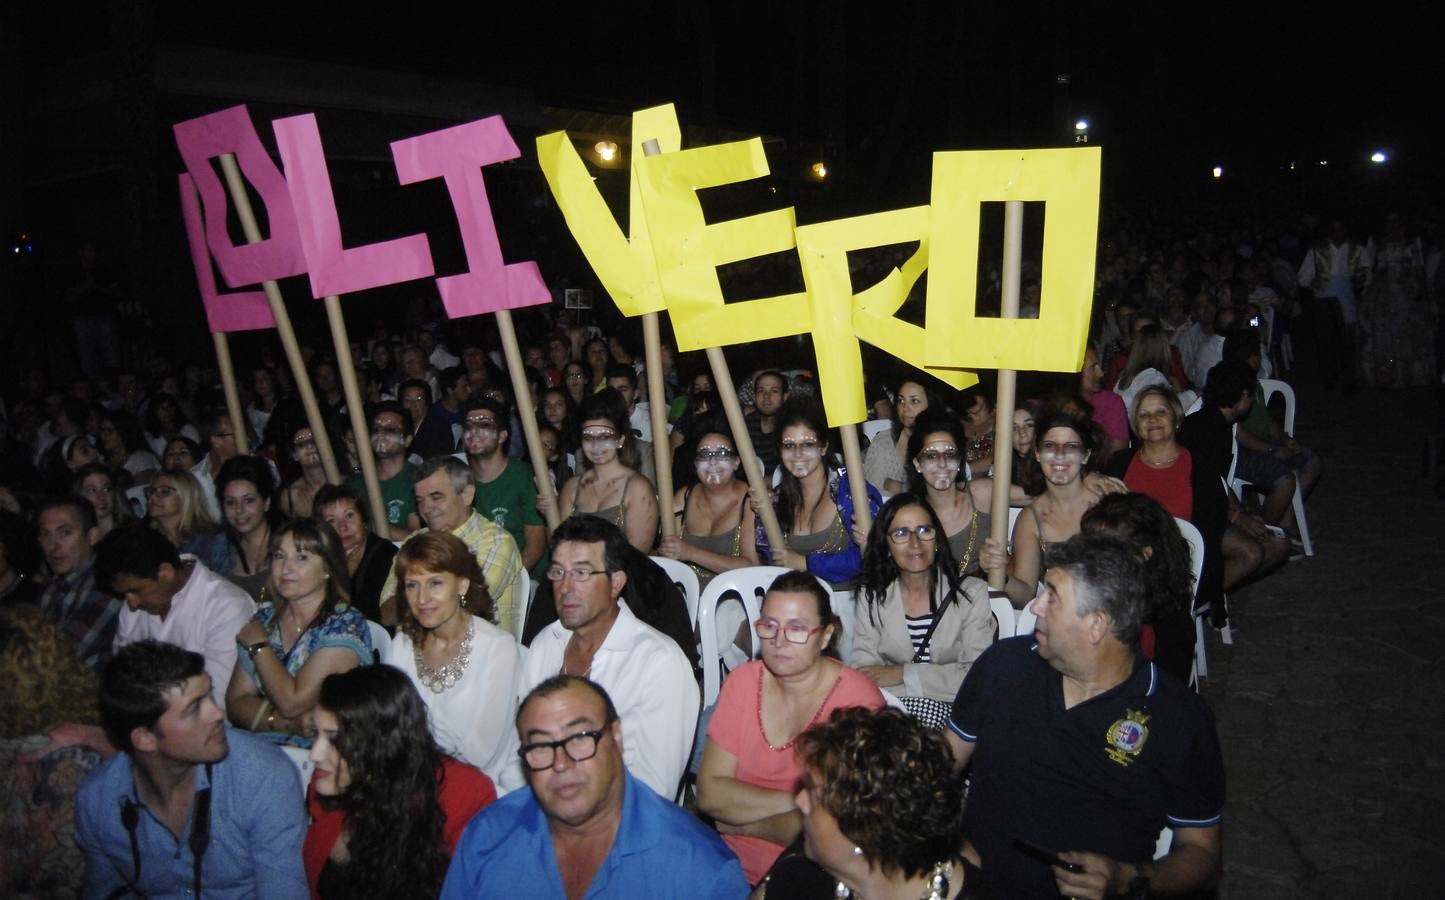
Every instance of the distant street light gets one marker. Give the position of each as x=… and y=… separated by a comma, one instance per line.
x=1081, y=125
x=820, y=171
x=1379, y=157
x=606, y=150
x=1218, y=172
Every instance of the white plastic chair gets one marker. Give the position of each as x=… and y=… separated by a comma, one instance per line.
x=1165, y=843
x=1272, y=386
x=301, y=759
x=1195, y=540
x=876, y=427
x=380, y=638
x=685, y=578
x=750, y=583
x=1013, y=518
x=1027, y=620
x=892, y=700
x=522, y=589
x=1004, y=612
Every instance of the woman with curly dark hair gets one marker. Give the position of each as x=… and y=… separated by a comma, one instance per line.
x=387, y=807
x=49, y=741
x=1167, y=636
x=920, y=624
x=882, y=812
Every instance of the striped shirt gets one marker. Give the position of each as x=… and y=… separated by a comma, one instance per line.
x=918, y=630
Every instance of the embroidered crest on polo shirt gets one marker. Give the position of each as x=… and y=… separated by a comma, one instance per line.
x=1126, y=737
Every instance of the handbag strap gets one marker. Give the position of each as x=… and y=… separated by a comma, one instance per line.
x=928, y=636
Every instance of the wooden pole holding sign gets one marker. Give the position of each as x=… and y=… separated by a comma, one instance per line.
x=657, y=406
x=757, y=478
x=283, y=322
x=1003, y=443
x=239, y=424
x=527, y=412
x=857, y=485
x=360, y=427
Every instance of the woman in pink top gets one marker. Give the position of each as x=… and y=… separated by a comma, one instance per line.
x=749, y=778
x=1108, y=406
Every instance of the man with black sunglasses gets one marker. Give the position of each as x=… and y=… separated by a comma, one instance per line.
x=585, y=826
x=189, y=807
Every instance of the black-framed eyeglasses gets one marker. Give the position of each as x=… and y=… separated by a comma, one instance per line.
x=542, y=755
x=557, y=573
x=924, y=533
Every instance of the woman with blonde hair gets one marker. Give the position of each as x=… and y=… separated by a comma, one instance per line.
x=49, y=740
x=176, y=510
x=1148, y=363
x=464, y=667
x=308, y=631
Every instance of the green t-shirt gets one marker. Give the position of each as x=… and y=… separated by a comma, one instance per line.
x=1257, y=421
x=510, y=501
x=398, y=494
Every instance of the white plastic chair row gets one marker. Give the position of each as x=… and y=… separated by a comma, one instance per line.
x=1195, y=540
x=1270, y=387
x=750, y=583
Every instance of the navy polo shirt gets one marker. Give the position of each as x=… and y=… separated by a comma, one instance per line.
x=1105, y=776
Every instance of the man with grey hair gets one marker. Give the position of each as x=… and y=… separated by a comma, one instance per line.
x=444, y=494
x=1083, y=750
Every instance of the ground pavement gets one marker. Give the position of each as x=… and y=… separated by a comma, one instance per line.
x=1329, y=702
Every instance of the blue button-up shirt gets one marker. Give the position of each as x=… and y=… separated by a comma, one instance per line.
x=660, y=851
x=258, y=821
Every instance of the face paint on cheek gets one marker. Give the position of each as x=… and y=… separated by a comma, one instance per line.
x=715, y=471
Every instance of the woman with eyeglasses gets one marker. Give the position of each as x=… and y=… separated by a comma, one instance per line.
x=96, y=483
x=387, y=805
x=750, y=776
x=717, y=520
x=920, y=624
x=937, y=449
x=175, y=509
x=299, y=495
x=814, y=504
x=1064, y=445
x=464, y=667
x=609, y=485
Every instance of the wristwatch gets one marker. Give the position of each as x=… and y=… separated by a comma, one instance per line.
x=257, y=647
x=1138, y=889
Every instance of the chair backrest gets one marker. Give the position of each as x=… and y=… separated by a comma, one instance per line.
x=1004, y=612
x=876, y=427
x=1196, y=548
x=1027, y=620
x=1195, y=407
x=1272, y=386
x=522, y=589
x=1013, y=518
x=380, y=638
x=751, y=583
x=685, y=578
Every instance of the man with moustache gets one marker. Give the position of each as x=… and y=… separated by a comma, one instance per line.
x=585, y=826
x=597, y=636
x=189, y=806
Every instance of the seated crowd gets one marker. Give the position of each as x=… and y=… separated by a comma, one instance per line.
x=191, y=616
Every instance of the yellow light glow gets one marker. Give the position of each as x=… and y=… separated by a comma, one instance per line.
x=820, y=171
x=606, y=150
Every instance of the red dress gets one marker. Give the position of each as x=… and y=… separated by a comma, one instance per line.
x=464, y=791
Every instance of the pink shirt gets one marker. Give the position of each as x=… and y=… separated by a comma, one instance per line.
x=737, y=728
x=1110, y=414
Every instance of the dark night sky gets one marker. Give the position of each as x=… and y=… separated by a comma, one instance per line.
x=1170, y=88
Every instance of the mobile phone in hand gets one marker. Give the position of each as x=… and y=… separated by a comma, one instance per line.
x=1044, y=855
